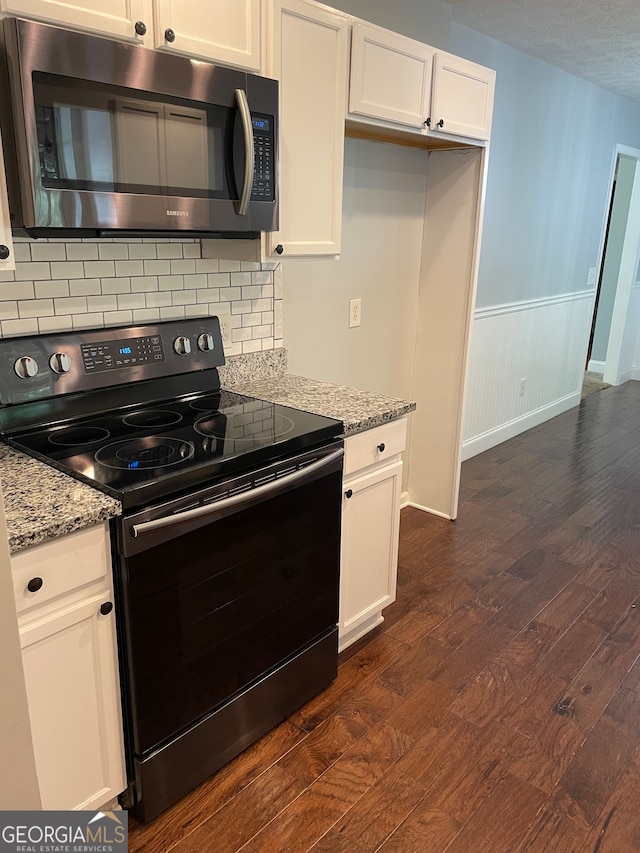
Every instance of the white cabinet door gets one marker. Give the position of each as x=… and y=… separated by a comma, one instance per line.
x=370, y=529
x=462, y=100
x=7, y=259
x=310, y=59
x=109, y=17
x=390, y=76
x=226, y=31
x=71, y=672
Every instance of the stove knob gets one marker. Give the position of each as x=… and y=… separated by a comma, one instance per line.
x=26, y=367
x=205, y=342
x=182, y=346
x=60, y=362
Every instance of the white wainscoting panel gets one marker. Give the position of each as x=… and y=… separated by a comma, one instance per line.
x=542, y=342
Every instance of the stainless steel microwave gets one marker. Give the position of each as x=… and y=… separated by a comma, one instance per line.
x=110, y=138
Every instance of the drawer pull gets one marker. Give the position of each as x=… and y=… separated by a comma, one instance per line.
x=349, y=493
x=106, y=608
x=381, y=447
x=35, y=584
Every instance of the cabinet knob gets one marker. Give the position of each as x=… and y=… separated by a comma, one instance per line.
x=4, y=253
x=440, y=123
x=169, y=35
x=381, y=448
x=348, y=493
x=106, y=608
x=428, y=121
x=35, y=584
x=279, y=249
x=141, y=28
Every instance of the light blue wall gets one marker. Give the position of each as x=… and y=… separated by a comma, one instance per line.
x=552, y=148
x=428, y=21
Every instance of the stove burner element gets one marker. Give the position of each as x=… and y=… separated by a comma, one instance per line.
x=244, y=434
x=152, y=418
x=79, y=435
x=210, y=403
x=142, y=454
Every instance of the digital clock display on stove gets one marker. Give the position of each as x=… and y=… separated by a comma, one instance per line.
x=116, y=355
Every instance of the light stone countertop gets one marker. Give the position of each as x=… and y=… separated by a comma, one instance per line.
x=42, y=503
x=358, y=410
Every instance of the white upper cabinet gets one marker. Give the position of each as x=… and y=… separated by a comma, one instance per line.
x=390, y=76
x=309, y=58
x=226, y=31
x=462, y=101
x=7, y=259
x=109, y=17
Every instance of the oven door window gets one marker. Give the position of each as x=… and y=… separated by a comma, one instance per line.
x=109, y=139
x=210, y=612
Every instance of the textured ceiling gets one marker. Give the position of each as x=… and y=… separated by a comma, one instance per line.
x=598, y=40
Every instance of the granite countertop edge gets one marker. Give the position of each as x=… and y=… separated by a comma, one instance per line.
x=42, y=503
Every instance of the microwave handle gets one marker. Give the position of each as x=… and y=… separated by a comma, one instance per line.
x=245, y=115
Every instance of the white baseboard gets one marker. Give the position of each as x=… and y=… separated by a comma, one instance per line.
x=595, y=366
x=427, y=509
x=404, y=500
x=489, y=439
x=635, y=373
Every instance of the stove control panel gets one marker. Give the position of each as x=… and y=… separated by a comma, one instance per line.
x=40, y=367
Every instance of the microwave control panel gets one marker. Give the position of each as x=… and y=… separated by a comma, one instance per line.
x=263, y=158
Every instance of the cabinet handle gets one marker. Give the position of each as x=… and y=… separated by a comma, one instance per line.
x=349, y=493
x=169, y=35
x=440, y=123
x=428, y=122
x=35, y=584
x=279, y=249
x=381, y=448
x=106, y=608
x=4, y=253
x=141, y=28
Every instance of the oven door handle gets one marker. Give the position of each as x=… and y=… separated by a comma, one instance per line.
x=236, y=501
x=245, y=115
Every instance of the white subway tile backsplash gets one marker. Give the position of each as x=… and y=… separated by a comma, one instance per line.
x=32, y=271
x=19, y=327
x=45, y=251
x=71, y=305
x=63, y=323
x=85, y=287
x=157, y=267
x=102, y=303
x=99, y=269
x=36, y=308
x=49, y=289
x=79, y=284
x=82, y=251
x=146, y=315
x=16, y=290
x=249, y=265
x=129, y=301
x=113, y=251
x=142, y=251
x=118, y=318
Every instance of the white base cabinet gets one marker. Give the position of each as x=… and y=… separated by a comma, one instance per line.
x=64, y=599
x=370, y=528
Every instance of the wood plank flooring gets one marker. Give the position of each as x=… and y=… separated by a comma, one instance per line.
x=497, y=709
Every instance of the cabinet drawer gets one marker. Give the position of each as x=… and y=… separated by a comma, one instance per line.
x=62, y=564
x=374, y=445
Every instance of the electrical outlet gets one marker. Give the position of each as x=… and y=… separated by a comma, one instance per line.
x=225, y=328
x=355, y=312
x=523, y=385
x=591, y=278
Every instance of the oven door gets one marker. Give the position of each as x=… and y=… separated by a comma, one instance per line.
x=222, y=588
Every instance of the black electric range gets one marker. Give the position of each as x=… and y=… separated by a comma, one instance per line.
x=110, y=407
x=227, y=554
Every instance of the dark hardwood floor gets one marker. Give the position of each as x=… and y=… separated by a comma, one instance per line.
x=497, y=709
